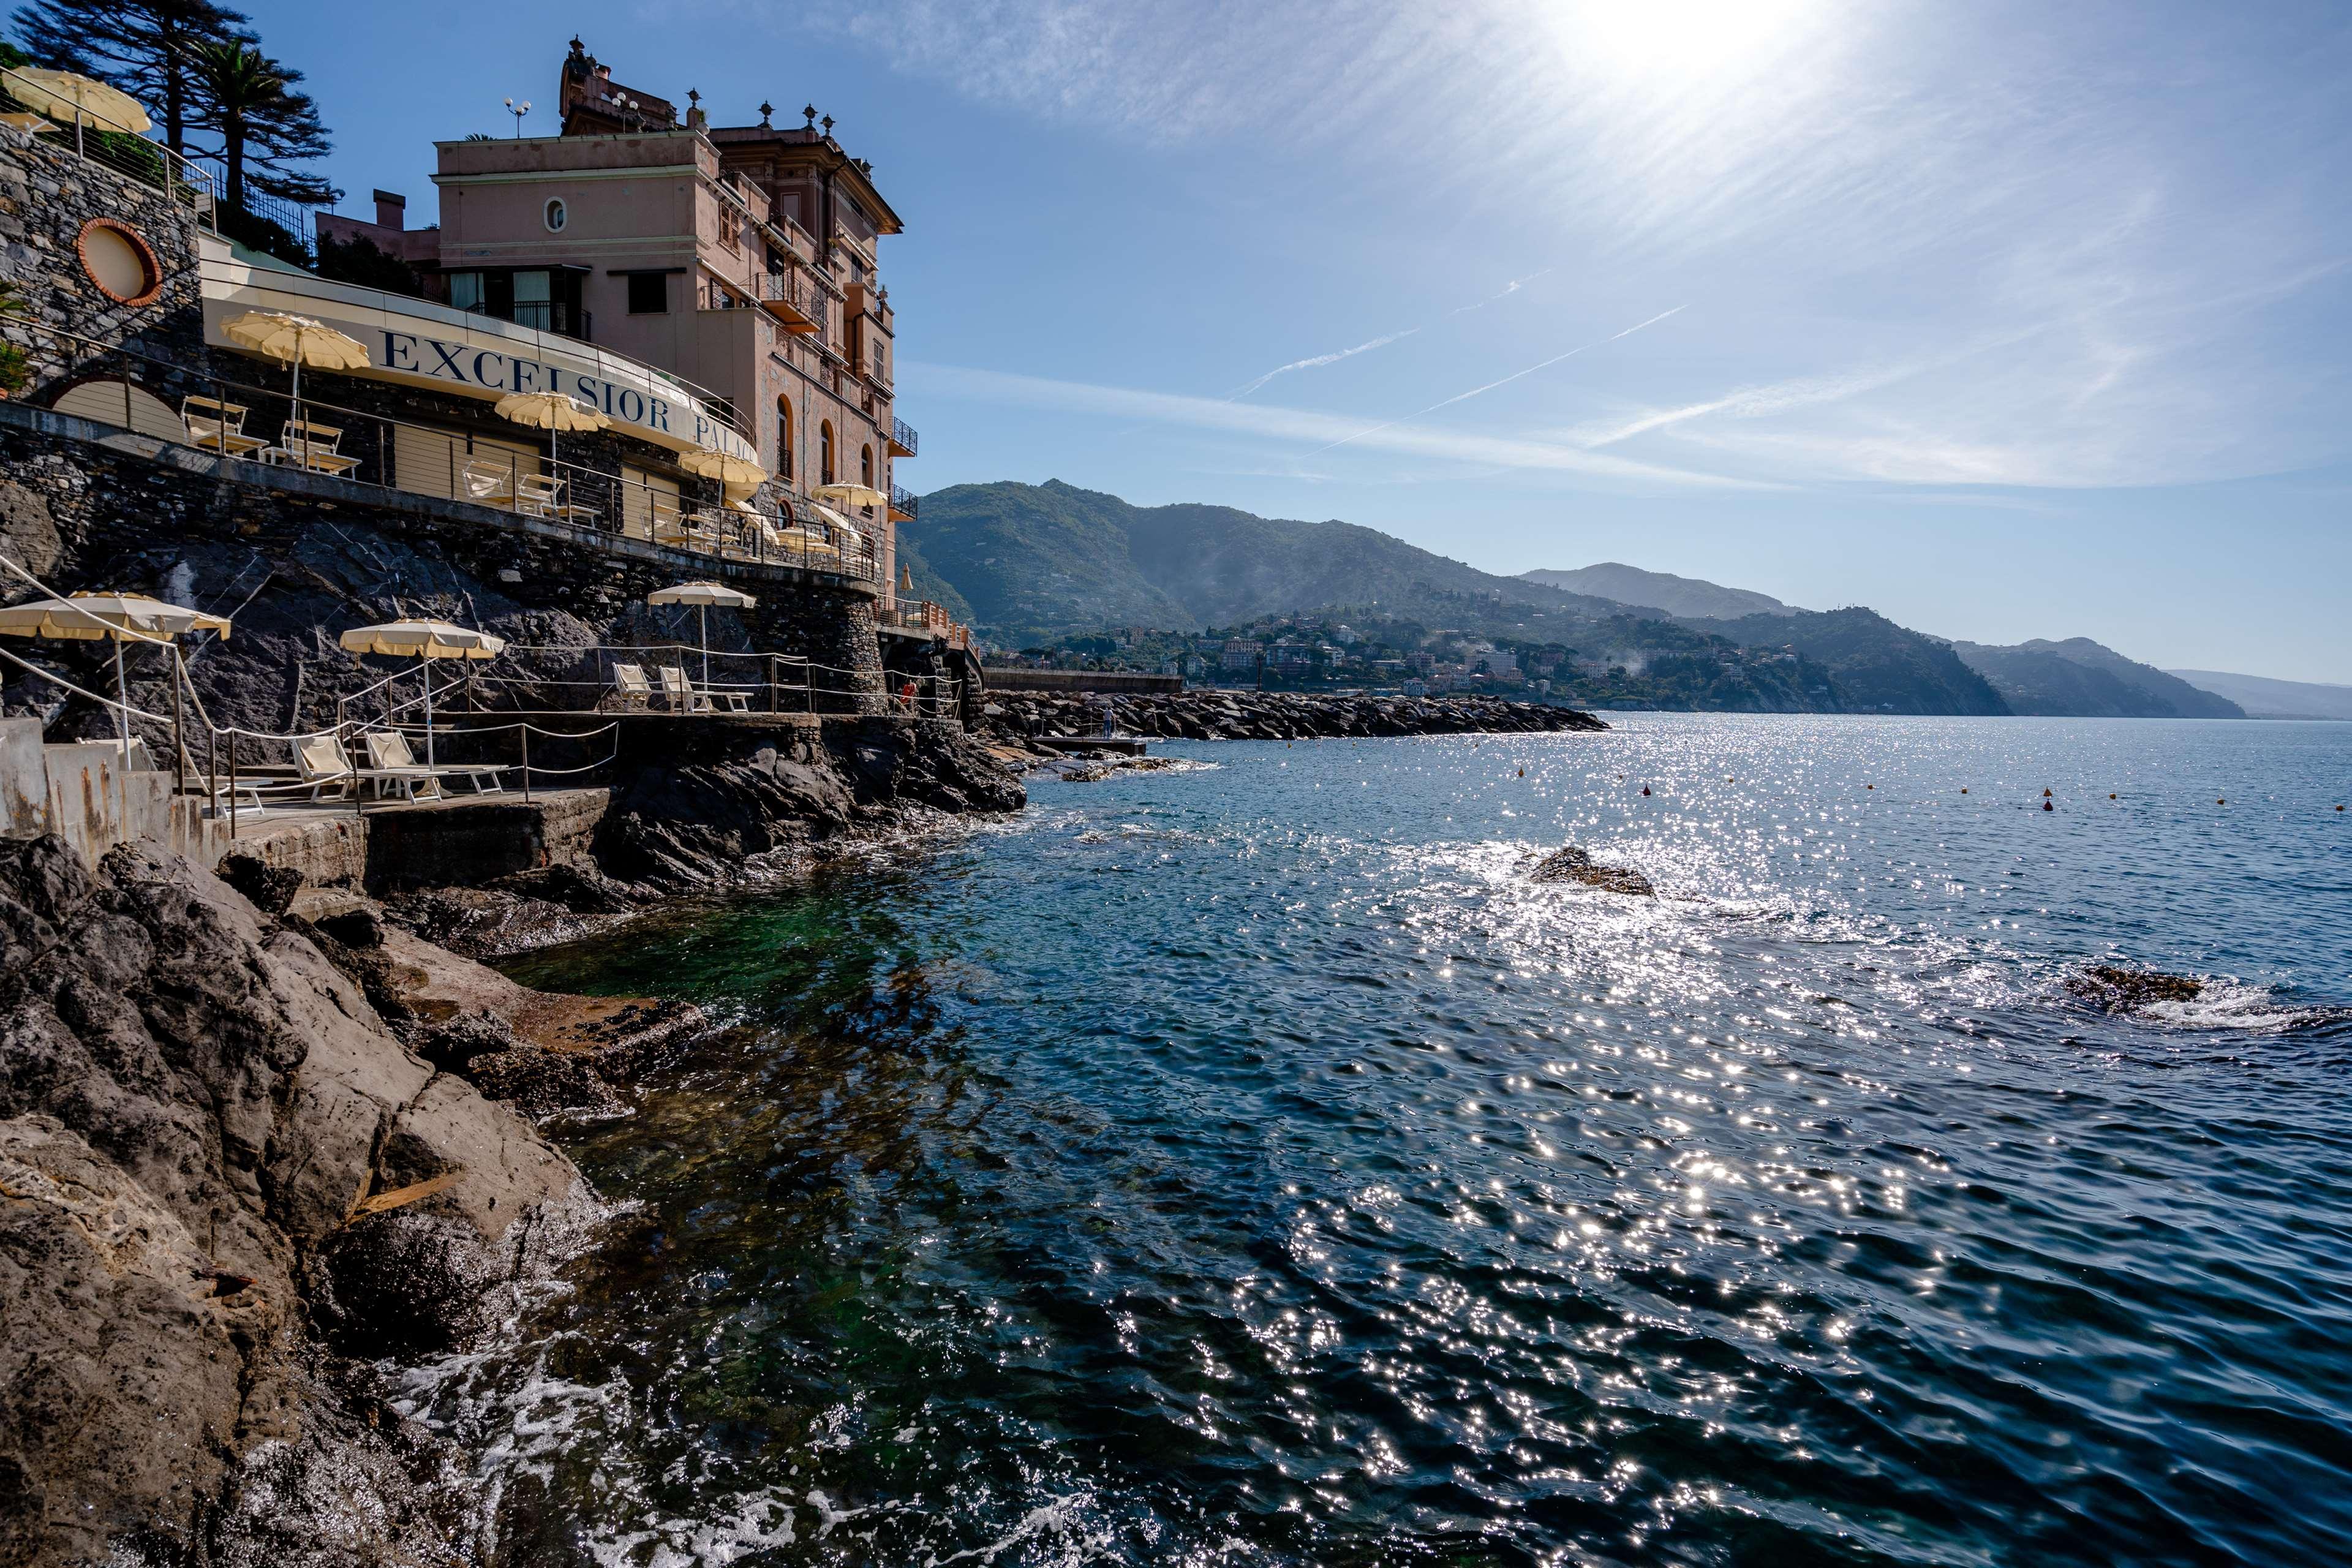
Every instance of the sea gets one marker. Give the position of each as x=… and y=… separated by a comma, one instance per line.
x=1249, y=1163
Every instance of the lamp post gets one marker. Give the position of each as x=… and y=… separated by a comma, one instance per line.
x=518, y=111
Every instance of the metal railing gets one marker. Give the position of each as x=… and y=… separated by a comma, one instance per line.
x=922, y=615
x=902, y=500
x=256, y=425
x=902, y=436
x=686, y=679
x=125, y=152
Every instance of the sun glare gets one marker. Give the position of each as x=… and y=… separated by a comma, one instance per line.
x=1638, y=38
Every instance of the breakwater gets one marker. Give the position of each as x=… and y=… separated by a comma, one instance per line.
x=1212, y=715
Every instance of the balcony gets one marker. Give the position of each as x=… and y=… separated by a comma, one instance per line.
x=902, y=504
x=793, y=299
x=902, y=442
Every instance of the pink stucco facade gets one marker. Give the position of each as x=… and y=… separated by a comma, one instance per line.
x=741, y=259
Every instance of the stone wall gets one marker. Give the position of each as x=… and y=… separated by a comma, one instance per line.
x=301, y=556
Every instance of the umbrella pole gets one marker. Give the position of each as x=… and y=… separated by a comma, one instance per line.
x=702, y=613
x=122, y=725
x=304, y=459
x=427, y=664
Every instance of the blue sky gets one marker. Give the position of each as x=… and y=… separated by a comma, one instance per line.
x=2007, y=320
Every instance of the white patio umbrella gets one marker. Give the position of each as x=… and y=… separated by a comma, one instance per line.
x=551, y=412
x=846, y=494
x=424, y=641
x=297, y=341
x=702, y=595
x=86, y=617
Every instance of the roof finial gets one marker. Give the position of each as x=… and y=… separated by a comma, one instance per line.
x=766, y=109
x=810, y=112
x=693, y=97
x=828, y=125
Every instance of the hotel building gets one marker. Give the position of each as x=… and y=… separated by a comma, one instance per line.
x=743, y=259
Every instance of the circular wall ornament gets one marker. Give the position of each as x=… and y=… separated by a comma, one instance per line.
x=119, y=260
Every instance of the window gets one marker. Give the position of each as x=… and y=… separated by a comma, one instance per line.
x=784, y=436
x=825, y=452
x=465, y=292
x=533, y=303
x=865, y=472
x=554, y=216
x=117, y=257
x=648, y=294
x=730, y=227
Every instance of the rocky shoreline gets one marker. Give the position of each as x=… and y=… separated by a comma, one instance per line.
x=257, y=1137
x=1018, y=717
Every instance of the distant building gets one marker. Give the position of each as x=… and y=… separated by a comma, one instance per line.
x=1239, y=657
x=1290, y=658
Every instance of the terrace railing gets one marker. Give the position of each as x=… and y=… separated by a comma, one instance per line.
x=902, y=436
x=370, y=448
x=121, y=149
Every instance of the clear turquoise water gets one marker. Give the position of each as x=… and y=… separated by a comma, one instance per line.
x=1251, y=1165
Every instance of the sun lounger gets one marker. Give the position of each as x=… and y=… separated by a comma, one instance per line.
x=683, y=698
x=631, y=690
x=219, y=426
x=542, y=495
x=389, y=751
x=322, y=763
x=306, y=444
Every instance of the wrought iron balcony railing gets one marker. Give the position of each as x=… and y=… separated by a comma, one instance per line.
x=902, y=437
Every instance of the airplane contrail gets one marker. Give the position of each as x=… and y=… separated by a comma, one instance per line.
x=1464, y=396
x=1323, y=359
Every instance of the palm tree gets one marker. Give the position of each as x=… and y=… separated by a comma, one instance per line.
x=267, y=128
x=239, y=83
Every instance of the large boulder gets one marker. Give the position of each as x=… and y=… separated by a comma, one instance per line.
x=196, y=1107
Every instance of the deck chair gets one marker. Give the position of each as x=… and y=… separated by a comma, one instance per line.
x=389, y=751
x=219, y=426
x=489, y=481
x=631, y=690
x=683, y=698
x=305, y=443
x=321, y=763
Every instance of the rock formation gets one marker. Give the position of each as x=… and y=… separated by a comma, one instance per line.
x=1212, y=715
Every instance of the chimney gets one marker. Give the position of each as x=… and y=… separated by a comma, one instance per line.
x=390, y=210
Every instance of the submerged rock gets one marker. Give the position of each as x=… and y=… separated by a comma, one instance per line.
x=1574, y=865
x=2120, y=990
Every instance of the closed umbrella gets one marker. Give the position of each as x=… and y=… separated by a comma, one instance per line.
x=86, y=617
x=425, y=641
x=297, y=341
x=551, y=412
x=702, y=595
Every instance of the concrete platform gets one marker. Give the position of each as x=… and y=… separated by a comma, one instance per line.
x=457, y=840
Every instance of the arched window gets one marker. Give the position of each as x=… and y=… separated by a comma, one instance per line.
x=784, y=436
x=866, y=471
x=825, y=452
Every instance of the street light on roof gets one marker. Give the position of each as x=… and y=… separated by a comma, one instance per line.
x=518, y=111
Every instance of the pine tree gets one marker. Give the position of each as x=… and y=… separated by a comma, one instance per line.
x=265, y=126
x=146, y=47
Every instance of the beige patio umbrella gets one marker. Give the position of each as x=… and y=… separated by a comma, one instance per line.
x=703, y=597
x=736, y=473
x=86, y=617
x=297, y=341
x=846, y=494
x=551, y=412
x=424, y=641
x=67, y=95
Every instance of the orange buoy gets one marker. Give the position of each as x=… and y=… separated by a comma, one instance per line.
x=1870, y=786
x=2224, y=801
x=1963, y=789
x=1523, y=772
x=2111, y=794
x=2045, y=794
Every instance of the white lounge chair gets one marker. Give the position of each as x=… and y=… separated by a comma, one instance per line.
x=219, y=426
x=308, y=445
x=683, y=697
x=389, y=751
x=631, y=690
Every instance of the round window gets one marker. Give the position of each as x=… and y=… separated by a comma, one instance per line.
x=120, y=262
x=556, y=216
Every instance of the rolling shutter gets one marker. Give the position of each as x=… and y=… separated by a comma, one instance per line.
x=433, y=462
x=639, y=489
